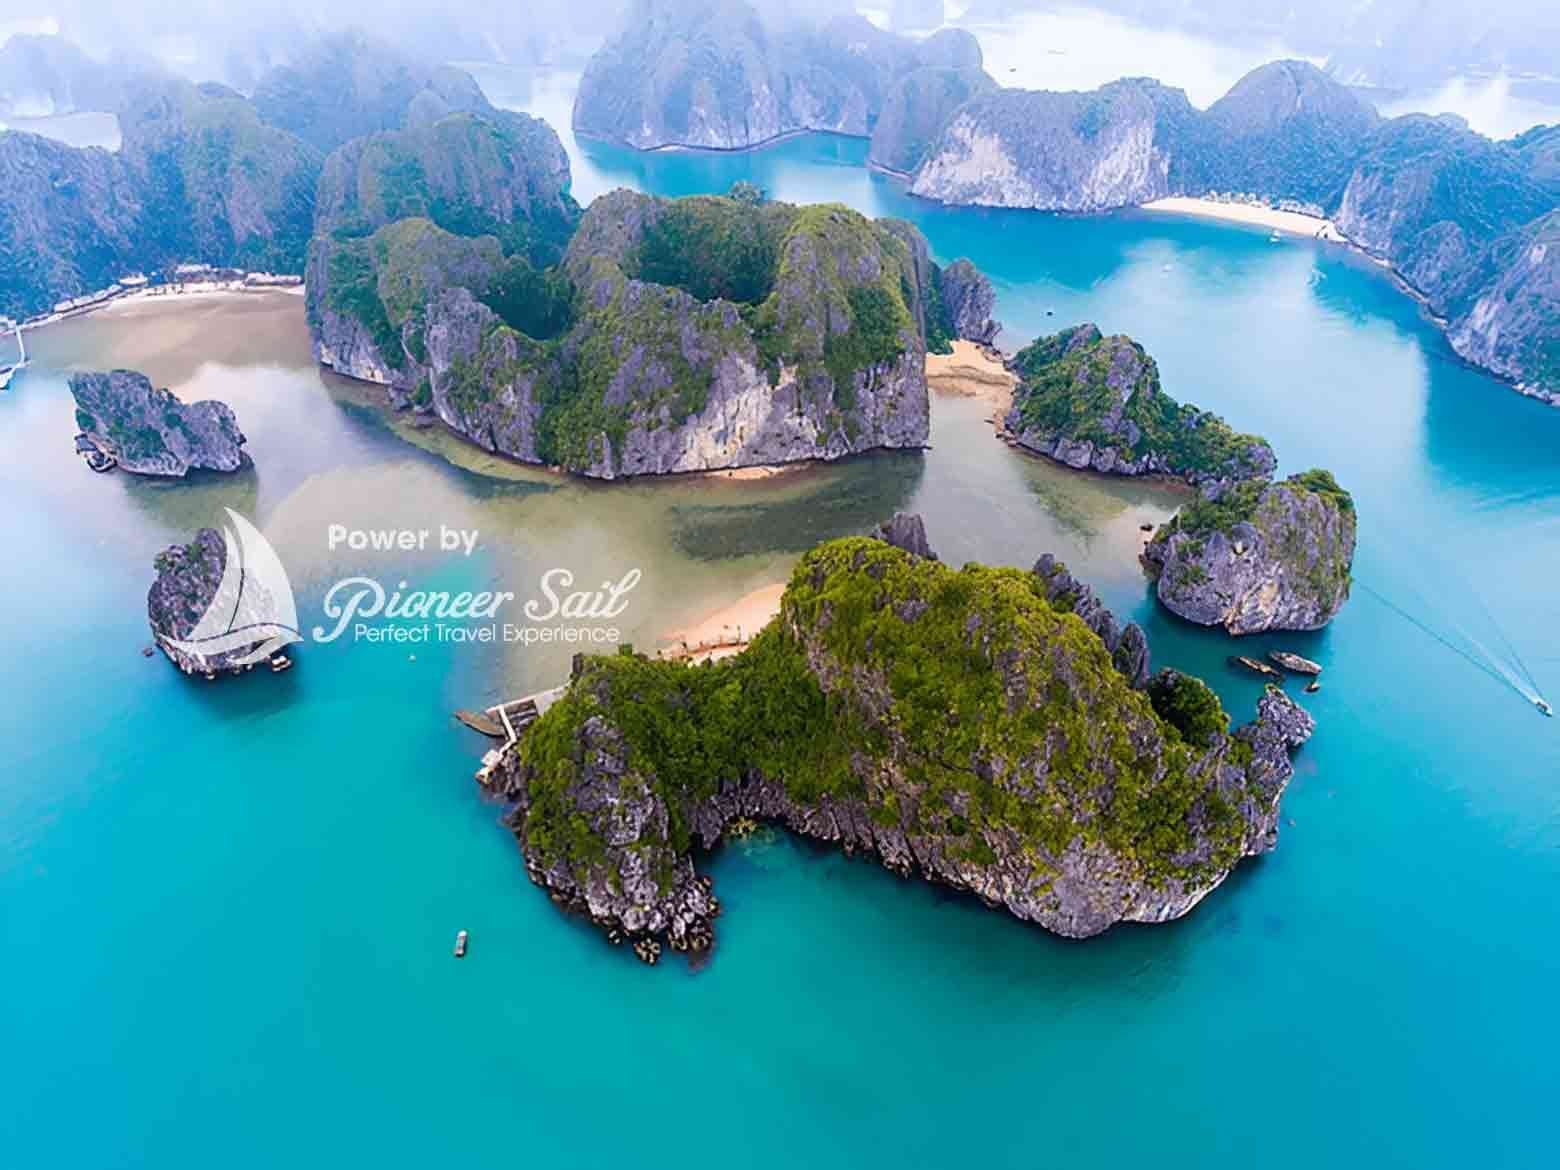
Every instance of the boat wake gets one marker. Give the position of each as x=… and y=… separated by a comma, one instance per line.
x=1506, y=667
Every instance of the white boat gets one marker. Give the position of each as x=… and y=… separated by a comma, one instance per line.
x=1544, y=707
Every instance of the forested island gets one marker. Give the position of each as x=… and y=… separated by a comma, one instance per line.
x=968, y=726
x=674, y=335
x=1247, y=554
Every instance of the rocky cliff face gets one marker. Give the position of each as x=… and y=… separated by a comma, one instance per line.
x=916, y=108
x=713, y=74
x=968, y=302
x=690, y=335
x=826, y=359
x=150, y=431
x=1513, y=326
x=952, y=723
x=1095, y=402
x=1258, y=556
x=490, y=173
x=1113, y=147
x=365, y=297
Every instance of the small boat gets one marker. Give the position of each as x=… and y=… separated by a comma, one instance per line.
x=460, y=944
x=1255, y=667
x=1294, y=662
x=1275, y=238
x=279, y=663
x=1312, y=687
x=1544, y=707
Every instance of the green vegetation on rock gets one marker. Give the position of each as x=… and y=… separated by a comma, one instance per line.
x=1080, y=387
x=954, y=705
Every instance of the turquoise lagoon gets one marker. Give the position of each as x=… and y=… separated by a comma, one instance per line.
x=226, y=911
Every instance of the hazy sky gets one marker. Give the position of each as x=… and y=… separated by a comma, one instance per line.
x=1486, y=61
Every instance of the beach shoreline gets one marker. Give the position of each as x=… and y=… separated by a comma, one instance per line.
x=727, y=630
x=973, y=371
x=1289, y=223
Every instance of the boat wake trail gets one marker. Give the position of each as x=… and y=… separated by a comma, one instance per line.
x=1509, y=670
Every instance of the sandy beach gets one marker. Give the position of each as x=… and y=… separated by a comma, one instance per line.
x=1292, y=223
x=727, y=630
x=972, y=371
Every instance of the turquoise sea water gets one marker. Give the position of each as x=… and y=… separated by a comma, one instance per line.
x=226, y=910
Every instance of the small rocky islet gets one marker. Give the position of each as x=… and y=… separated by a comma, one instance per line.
x=973, y=726
x=191, y=582
x=1248, y=554
x=124, y=419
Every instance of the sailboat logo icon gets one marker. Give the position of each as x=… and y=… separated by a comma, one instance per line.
x=253, y=610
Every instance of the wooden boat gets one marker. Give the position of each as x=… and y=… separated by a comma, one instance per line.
x=460, y=945
x=1255, y=666
x=1294, y=662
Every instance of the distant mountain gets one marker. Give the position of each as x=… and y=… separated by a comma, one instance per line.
x=712, y=73
x=1284, y=126
x=1458, y=216
x=198, y=178
x=350, y=84
x=46, y=75
x=1539, y=150
x=217, y=184
x=70, y=221
x=915, y=109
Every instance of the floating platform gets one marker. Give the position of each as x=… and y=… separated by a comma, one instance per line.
x=479, y=722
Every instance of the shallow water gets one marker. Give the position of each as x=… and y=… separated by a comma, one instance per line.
x=226, y=910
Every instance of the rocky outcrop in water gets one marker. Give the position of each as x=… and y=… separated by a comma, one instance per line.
x=149, y=431
x=712, y=73
x=1095, y=402
x=190, y=584
x=677, y=335
x=1258, y=556
x=954, y=724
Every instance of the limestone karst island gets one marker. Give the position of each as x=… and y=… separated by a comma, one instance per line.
x=801, y=545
